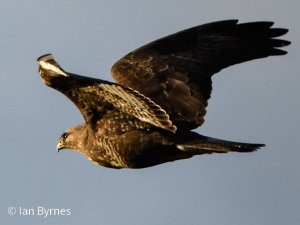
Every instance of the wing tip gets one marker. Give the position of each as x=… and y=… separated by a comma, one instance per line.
x=46, y=57
x=47, y=62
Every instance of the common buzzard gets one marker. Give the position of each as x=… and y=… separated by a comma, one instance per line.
x=161, y=94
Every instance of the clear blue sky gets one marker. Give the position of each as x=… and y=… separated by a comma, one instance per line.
x=253, y=102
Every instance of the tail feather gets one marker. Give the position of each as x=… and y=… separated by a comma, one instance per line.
x=208, y=145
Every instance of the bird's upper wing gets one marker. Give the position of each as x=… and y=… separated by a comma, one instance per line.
x=95, y=98
x=175, y=71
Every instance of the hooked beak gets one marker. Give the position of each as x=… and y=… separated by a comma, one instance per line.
x=59, y=146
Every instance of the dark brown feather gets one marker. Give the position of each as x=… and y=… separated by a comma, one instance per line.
x=162, y=92
x=175, y=71
x=95, y=98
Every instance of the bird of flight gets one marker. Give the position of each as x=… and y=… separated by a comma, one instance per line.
x=160, y=95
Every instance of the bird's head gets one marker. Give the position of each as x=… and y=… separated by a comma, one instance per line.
x=73, y=139
x=64, y=142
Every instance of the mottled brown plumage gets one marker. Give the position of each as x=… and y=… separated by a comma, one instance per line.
x=161, y=94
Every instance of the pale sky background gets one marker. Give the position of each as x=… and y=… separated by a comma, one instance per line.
x=254, y=102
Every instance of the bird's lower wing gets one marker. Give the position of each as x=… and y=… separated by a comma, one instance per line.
x=95, y=98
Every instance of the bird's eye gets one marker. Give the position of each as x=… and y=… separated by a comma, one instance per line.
x=65, y=135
